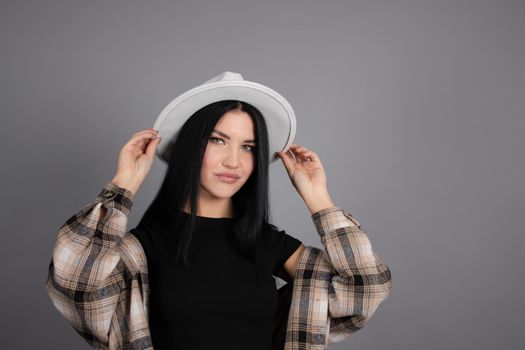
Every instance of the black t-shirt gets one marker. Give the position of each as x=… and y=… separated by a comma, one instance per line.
x=216, y=303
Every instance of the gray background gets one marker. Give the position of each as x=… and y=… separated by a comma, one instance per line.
x=414, y=107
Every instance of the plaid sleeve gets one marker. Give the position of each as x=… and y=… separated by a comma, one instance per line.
x=360, y=280
x=88, y=274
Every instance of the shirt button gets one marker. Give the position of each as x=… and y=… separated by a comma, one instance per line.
x=109, y=194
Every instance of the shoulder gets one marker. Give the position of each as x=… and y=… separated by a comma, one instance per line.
x=280, y=246
x=273, y=236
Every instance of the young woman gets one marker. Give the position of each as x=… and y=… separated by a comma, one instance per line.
x=198, y=270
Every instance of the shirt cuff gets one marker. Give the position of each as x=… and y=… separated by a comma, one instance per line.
x=333, y=218
x=116, y=197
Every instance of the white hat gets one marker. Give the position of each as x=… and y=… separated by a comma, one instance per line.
x=277, y=112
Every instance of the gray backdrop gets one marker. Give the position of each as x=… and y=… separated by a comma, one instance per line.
x=414, y=107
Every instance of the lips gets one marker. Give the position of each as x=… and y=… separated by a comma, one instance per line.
x=227, y=175
x=227, y=178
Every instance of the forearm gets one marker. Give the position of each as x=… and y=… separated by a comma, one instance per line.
x=360, y=280
x=318, y=201
x=129, y=184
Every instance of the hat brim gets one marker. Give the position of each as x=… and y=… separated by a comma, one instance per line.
x=277, y=112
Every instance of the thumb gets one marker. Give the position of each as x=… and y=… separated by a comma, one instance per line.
x=287, y=161
x=150, y=150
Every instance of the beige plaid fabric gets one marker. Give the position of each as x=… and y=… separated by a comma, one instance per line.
x=98, y=280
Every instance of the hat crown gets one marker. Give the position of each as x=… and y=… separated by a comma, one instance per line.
x=225, y=76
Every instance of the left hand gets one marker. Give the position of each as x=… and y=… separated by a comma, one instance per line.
x=305, y=171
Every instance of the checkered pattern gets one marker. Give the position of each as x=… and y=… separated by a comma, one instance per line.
x=98, y=280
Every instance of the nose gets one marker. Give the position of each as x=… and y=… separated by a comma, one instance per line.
x=231, y=158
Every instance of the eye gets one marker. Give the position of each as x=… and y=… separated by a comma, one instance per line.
x=216, y=138
x=251, y=148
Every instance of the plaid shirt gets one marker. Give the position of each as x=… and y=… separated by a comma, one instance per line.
x=98, y=280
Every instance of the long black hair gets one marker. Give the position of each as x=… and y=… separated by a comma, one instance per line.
x=182, y=180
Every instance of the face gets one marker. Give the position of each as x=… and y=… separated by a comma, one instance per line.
x=230, y=150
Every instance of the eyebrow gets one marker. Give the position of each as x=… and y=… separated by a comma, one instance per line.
x=227, y=137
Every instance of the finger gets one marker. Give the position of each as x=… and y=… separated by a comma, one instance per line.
x=299, y=149
x=305, y=155
x=140, y=138
x=150, y=150
x=287, y=160
x=147, y=131
x=301, y=153
x=311, y=156
x=292, y=156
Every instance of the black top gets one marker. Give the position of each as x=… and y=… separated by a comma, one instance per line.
x=216, y=303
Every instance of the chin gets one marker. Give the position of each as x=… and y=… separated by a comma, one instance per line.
x=222, y=193
x=225, y=194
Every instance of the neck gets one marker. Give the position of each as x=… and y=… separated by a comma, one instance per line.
x=212, y=210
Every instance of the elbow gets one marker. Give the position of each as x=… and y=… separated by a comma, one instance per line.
x=379, y=282
x=49, y=282
x=377, y=290
x=381, y=285
x=359, y=296
x=384, y=277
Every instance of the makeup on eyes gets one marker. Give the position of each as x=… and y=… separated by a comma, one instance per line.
x=228, y=137
x=252, y=147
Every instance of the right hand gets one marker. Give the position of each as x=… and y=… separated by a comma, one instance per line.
x=135, y=159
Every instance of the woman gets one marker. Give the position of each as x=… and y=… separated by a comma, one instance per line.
x=197, y=271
